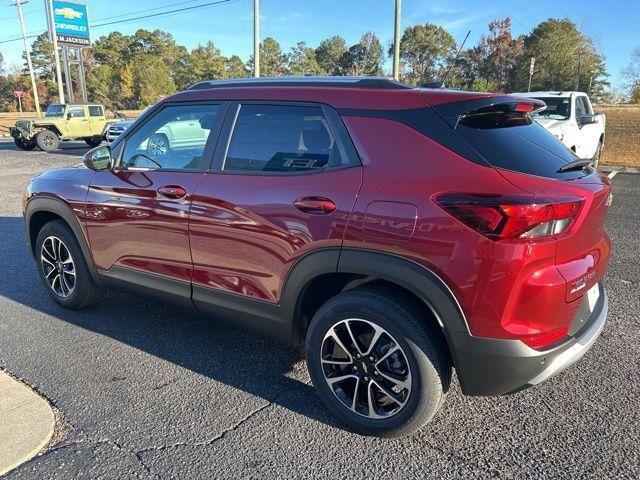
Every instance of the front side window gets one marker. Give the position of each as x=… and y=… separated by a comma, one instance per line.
x=581, y=108
x=174, y=138
x=75, y=112
x=281, y=138
x=54, y=111
x=95, y=111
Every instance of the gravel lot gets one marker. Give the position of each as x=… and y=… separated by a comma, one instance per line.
x=145, y=390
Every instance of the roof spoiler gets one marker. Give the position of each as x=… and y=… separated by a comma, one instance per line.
x=455, y=111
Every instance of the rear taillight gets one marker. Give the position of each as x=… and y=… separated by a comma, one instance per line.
x=545, y=339
x=503, y=217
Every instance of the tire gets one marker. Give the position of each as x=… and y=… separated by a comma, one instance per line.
x=81, y=290
x=93, y=141
x=596, y=156
x=421, y=361
x=23, y=144
x=158, y=144
x=47, y=140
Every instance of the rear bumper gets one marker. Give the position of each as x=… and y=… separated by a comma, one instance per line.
x=487, y=366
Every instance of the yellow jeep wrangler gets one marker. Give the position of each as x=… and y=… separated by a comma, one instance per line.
x=62, y=122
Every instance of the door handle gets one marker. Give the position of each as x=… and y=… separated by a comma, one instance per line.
x=315, y=205
x=172, y=191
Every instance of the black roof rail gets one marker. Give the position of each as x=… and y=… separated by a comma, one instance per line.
x=313, y=81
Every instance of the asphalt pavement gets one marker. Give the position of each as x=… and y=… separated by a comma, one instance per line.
x=149, y=391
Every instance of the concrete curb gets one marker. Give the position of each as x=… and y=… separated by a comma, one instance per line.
x=26, y=423
x=618, y=169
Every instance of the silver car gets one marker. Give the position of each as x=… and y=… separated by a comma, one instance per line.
x=117, y=129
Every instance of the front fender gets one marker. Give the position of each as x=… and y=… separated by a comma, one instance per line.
x=60, y=208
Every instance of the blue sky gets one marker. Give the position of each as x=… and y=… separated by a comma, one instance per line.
x=229, y=26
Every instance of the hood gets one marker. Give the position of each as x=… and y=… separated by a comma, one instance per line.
x=64, y=172
x=27, y=119
x=124, y=123
x=550, y=124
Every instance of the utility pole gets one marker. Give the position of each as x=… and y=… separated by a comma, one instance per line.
x=56, y=54
x=396, y=41
x=578, y=74
x=28, y=54
x=256, y=38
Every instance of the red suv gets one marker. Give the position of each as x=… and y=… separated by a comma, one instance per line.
x=395, y=232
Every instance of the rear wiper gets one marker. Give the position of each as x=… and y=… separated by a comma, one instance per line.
x=578, y=164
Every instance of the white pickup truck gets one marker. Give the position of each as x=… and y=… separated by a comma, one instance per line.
x=570, y=117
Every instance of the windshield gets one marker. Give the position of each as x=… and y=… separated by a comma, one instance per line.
x=557, y=108
x=54, y=111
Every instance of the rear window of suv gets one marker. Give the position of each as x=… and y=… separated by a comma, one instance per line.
x=513, y=141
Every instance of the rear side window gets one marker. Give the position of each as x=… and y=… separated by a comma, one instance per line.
x=95, y=111
x=75, y=112
x=282, y=139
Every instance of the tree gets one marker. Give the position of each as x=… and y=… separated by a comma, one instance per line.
x=235, y=67
x=151, y=79
x=329, y=53
x=302, y=60
x=632, y=74
x=497, y=54
x=204, y=63
x=273, y=62
x=425, y=51
x=363, y=58
x=102, y=86
x=563, y=54
x=44, y=68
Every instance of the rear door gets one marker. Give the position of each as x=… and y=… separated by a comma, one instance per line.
x=137, y=215
x=285, y=181
x=96, y=120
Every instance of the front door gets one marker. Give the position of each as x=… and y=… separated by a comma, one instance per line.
x=284, y=185
x=137, y=215
x=588, y=137
x=77, y=121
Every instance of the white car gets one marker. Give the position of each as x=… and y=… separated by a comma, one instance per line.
x=570, y=117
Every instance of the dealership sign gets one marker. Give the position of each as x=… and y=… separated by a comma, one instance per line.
x=71, y=24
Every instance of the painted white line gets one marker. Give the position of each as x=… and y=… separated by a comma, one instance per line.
x=612, y=174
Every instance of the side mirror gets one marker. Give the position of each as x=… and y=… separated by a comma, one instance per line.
x=98, y=158
x=587, y=119
x=69, y=116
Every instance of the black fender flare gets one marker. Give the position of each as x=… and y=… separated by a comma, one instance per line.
x=412, y=276
x=62, y=209
x=416, y=278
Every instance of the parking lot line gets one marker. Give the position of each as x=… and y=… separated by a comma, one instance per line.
x=612, y=174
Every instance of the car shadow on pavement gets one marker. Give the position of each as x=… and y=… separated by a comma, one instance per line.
x=234, y=357
x=66, y=148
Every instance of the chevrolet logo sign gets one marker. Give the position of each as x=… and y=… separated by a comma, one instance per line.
x=68, y=13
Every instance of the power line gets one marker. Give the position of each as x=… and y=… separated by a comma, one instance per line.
x=19, y=38
x=512, y=17
x=12, y=17
x=145, y=10
x=219, y=2
x=209, y=4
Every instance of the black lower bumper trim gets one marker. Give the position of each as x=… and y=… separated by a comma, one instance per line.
x=487, y=366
